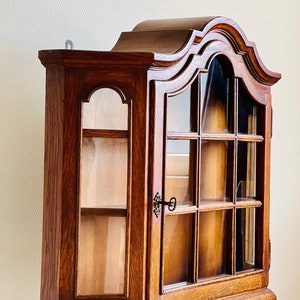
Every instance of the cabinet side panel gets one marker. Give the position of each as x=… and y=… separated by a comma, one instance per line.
x=52, y=184
x=139, y=188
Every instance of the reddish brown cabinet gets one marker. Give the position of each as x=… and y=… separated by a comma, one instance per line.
x=157, y=166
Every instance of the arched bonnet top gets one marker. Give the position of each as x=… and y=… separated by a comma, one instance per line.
x=170, y=40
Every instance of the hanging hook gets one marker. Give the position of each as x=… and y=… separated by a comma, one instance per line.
x=69, y=45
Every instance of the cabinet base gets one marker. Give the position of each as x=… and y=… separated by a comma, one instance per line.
x=264, y=294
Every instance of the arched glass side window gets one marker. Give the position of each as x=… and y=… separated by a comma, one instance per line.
x=104, y=183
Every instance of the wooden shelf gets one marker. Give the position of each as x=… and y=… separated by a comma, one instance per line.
x=207, y=205
x=247, y=202
x=104, y=133
x=89, y=211
x=250, y=138
x=218, y=136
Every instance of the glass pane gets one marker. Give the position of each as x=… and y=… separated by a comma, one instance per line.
x=178, y=239
x=203, y=83
x=216, y=170
x=214, y=243
x=104, y=172
x=179, y=112
x=105, y=110
x=245, y=238
x=217, y=104
x=247, y=112
x=246, y=171
x=101, y=255
x=179, y=171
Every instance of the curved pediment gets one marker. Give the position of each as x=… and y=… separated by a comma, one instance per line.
x=175, y=40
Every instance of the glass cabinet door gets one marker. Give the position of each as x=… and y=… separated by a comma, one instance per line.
x=211, y=165
x=103, y=228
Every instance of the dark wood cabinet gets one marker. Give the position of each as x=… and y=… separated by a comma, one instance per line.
x=157, y=166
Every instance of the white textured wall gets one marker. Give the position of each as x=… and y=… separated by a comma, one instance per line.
x=29, y=25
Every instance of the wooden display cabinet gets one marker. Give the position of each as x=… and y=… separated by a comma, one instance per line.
x=157, y=166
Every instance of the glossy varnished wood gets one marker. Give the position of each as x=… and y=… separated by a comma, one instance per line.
x=61, y=170
x=61, y=150
x=155, y=59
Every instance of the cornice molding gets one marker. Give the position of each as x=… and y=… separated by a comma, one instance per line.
x=173, y=40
